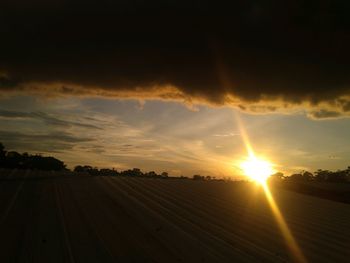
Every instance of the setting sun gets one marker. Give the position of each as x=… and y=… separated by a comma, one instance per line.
x=257, y=169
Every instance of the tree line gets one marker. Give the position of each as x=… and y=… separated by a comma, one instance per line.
x=15, y=160
x=135, y=172
x=339, y=176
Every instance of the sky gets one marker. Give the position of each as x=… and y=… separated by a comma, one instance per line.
x=169, y=136
x=163, y=85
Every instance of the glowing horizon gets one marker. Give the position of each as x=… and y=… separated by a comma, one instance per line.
x=126, y=134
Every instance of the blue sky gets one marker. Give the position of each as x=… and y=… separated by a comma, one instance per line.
x=168, y=136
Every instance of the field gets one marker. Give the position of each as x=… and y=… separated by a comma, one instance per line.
x=55, y=217
x=333, y=191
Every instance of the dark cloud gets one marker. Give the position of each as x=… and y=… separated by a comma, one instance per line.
x=324, y=114
x=46, y=142
x=238, y=53
x=56, y=136
x=48, y=119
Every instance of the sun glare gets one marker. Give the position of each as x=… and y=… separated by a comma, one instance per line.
x=257, y=169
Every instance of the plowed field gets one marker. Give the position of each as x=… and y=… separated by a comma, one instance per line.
x=53, y=217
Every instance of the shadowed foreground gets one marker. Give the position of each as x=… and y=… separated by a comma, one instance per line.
x=52, y=217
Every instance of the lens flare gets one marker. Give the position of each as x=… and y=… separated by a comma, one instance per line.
x=257, y=169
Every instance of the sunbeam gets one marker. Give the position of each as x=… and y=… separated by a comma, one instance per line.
x=287, y=234
x=259, y=170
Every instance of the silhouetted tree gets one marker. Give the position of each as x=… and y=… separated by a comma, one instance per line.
x=151, y=174
x=339, y=176
x=83, y=169
x=307, y=176
x=136, y=172
x=198, y=177
x=322, y=175
x=108, y=172
x=2, y=151
x=44, y=163
x=296, y=177
x=79, y=169
x=2, y=155
x=16, y=160
x=164, y=175
x=94, y=171
x=277, y=177
x=304, y=176
x=13, y=160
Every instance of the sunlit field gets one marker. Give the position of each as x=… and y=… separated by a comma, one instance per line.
x=65, y=217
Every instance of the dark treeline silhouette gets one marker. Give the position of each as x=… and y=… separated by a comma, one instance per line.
x=339, y=176
x=15, y=160
x=332, y=185
x=136, y=172
x=202, y=178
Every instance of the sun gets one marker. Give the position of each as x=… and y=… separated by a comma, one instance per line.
x=257, y=169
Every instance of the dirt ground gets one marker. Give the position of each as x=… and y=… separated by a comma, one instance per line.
x=53, y=217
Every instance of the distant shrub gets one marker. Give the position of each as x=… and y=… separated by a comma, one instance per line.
x=198, y=177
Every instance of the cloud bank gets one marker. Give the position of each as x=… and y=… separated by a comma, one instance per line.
x=260, y=56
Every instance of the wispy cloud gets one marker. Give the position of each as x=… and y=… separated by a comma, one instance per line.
x=64, y=137
x=168, y=137
x=46, y=118
x=226, y=135
x=42, y=142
